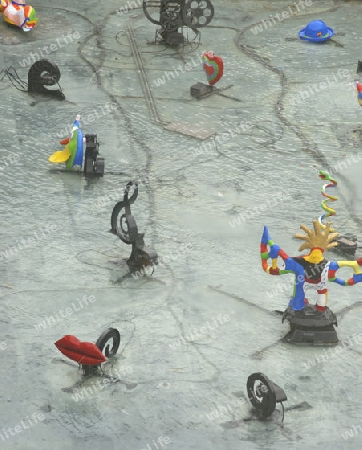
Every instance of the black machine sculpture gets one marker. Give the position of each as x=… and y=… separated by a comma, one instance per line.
x=264, y=395
x=124, y=226
x=93, y=165
x=44, y=73
x=173, y=15
x=359, y=66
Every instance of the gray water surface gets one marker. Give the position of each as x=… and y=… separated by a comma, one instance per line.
x=267, y=139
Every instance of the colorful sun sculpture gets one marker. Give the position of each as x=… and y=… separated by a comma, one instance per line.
x=72, y=155
x=309, y=324
x=18, y=14
x=213, y=66
x=312, y=271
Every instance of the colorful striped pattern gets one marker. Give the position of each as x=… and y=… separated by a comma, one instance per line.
x=359, y=93
x=75, y=147
x=329, y=198
x=213, y=66
x=18, y=14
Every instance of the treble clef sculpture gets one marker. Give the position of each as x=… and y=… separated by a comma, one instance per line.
x=124, y=225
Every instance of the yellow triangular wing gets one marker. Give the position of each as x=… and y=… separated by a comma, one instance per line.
x=60, y=157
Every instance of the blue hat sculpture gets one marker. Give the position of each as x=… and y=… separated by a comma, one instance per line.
x=316, y=31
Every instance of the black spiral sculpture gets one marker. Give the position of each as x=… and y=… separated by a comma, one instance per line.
x=44, y=73
x=105, y=337
x=111, y=334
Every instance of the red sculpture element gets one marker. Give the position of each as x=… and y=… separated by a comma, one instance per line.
x=213, y=66
x=85, y=353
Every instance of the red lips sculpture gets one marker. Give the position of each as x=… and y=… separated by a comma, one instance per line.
x=213, y=66
x=85, y=353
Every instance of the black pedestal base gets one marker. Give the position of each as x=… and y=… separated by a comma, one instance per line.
x=359, y=66
x=173, y=38
x=310, y=326
x=200, y=90
x=347, y=244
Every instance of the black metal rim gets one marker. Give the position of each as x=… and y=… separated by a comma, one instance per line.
x=107, y=335
x=151, y=4
x=191, y=15
x=266, y=404
x=114, y=217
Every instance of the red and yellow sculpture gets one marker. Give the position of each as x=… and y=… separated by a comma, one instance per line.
x=312, y=271
x=18, y=14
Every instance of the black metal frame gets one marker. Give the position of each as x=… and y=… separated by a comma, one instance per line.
x=93, y=165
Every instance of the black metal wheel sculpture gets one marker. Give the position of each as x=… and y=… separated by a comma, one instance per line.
x=264, y=394
x=44, y=73
x=261, y=394
x=198, y=13
x=105, y=337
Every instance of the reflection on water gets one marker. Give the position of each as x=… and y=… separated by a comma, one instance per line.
x=203, y=165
